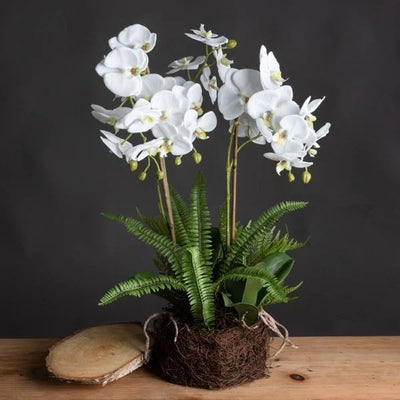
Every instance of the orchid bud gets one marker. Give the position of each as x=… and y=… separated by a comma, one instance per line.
x=232, y=43
x=291, y=177
x=178, y=161
x=197, y=158
x=142, y=176
x=133, y=164
x=306, y=177
x=160, y=174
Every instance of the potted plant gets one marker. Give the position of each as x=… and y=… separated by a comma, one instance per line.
x=217, y=279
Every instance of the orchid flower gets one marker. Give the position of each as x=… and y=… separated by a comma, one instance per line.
x=223, y=64
x=308, y=108
x=141, y=118
x=248, y=128
x=185, y=63
x=235, y=93
x=207, y=37
x=271, y=77
x=210, y=85
x=268, y=107
x=117, y=145
x=136, y=37
x=121, y=70
x=291, y=136
x=288, y=160
x=110, y=117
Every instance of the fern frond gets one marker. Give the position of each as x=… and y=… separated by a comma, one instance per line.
x=139, y=286
x=160, y=243
x=199, y=223
x=258, y=274
x=239, y=250
x=181, y=218
x=158, y=225
x=196, y=276
x=273, y=244
x=269, y=298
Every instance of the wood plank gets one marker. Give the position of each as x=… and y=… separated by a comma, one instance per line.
x=356, y=368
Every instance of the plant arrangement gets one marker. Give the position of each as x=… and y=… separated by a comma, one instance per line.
x=217, y=279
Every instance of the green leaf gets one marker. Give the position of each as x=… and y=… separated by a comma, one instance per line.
x=243, y=243
x=142, y=283
x=160, y=243
x=196, y=276
x=279, y=264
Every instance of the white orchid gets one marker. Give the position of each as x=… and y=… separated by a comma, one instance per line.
x=248, y=128
x=121, y=70
x=235, y=93
x=110, y=117
x=136, y=37
x=141, y=118
x=210, y=85
x=142, y=151
x=308, y=108
x=185, y=63
x=207, y=37
x=117, y=145
x=291, y=136
x=172, y=104
x=271, y=76
x=200, y=126
x=178, y=139
x=288, y=160
x=192, y=91
x=223, y=63
x=268, y=107
x=314, y=137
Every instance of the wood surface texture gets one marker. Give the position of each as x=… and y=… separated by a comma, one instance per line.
x=353, y=368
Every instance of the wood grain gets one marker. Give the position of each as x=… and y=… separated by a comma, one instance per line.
x=345, y=368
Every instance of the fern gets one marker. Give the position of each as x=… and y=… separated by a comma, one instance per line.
x=157, y=225
x=139, y=286
x=196, y=276
x=269, y=298
x=181, y=218
x=269, y=244
x=199, y=224
x=243, y=243
x=258, y=274
x=161, y=243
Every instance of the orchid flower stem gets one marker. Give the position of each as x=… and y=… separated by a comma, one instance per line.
x=160, y=200
x=126, y=139
x=234, y=183
x=188, y=75
x=228, y=185
x=201, y=68
x=167, y=197
x=132, y=102
x=123, y=101
x=245, y=143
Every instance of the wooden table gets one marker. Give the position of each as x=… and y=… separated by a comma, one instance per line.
x=356, y=368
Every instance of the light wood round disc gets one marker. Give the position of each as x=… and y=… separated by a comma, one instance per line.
x=98, y=355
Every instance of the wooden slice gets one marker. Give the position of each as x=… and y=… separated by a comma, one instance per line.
x=98, y=355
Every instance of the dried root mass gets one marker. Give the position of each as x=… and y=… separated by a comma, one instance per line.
x=227, y=356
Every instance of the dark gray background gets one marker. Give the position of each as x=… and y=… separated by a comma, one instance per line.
x=59, y=255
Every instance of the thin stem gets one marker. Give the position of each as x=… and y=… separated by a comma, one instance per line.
x=167, y=199
x=228, y=189
x=234, y=185
x=245, y=143
x=160, y=200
